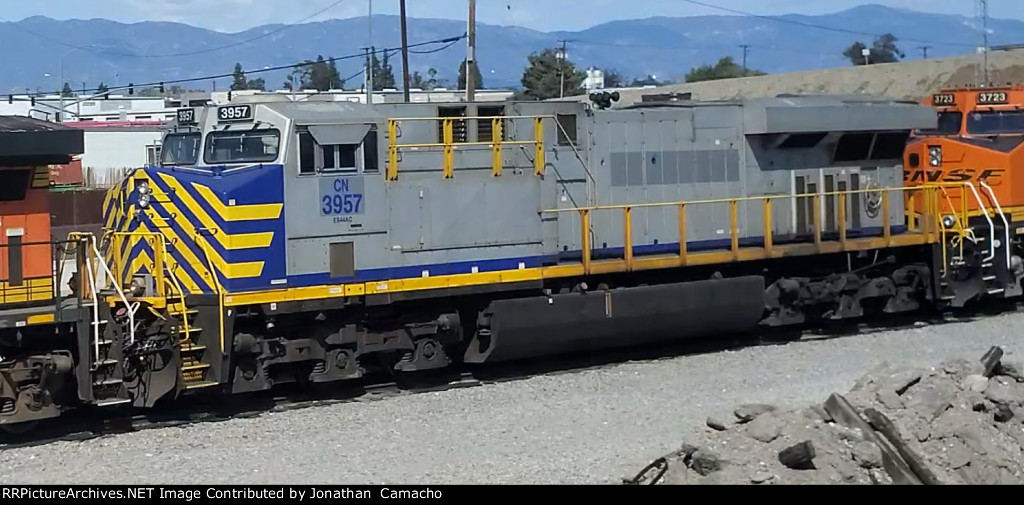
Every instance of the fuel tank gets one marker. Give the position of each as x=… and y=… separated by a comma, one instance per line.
x=596, y=320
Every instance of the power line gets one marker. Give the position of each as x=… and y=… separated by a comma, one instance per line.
x=450, y=41
x=746, y=49
x=192, y=53
x=812, y=25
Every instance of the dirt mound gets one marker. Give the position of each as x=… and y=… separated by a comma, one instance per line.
x=961, y=422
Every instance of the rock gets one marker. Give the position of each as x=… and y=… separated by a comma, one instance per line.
x=867, y=455
x=976, y=383
x=686, y=450
x=879, y=477
x=1001, y=393
x=889, y=399
x=846, y=471
x=977, y=402
x=715, y=424
x=799, y=456
x=931, y=399
x=1003, y=414
x=1011, y=370
x=762, y=476
x=676, y=475
x=765, y=428
x=957, y=453
x=705, y=462
x=959, y=368
x=747, y=413
x=900, y=382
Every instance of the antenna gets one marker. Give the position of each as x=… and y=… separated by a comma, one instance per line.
x=924, y=51
x=746, y=49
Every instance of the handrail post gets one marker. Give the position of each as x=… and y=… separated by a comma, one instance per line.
x=768, y=232
x=449, y=139
x=911, y=212
x=842, y=220
x=627, y=216
x=885, y=216
x=538, y=138
x=585, y=241
x=496, y=138
x=817, y=220
x=734, y=228
x=392, y=150
x=160, y=261
x=682, y=234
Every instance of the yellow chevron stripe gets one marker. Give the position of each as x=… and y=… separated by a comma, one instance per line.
x=230, y=242
x=255, y=212
x=172, y=262
x=229, y=270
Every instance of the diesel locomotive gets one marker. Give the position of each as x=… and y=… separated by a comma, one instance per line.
x=319, y=241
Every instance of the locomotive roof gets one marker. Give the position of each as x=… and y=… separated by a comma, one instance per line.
x=316, y=111
x=818, y=113
x=25, y=140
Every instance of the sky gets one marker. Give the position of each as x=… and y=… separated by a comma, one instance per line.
x=545, y=15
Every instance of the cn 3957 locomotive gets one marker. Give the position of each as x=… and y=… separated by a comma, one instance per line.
x=318, y=241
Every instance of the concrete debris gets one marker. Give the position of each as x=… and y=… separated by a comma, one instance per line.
x=747, y=413
x=715, y=424
x=960, y=422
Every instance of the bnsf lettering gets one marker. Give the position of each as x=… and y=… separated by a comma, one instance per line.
x=956, y=175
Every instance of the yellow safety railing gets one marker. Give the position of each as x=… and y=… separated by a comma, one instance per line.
x=121, y=269
x=205, y=244
x=931, y=222
x=448, y=144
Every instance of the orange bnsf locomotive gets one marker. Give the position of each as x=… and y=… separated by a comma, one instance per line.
x=975, y=154
x=323, y=242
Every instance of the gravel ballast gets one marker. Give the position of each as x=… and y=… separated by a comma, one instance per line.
x=595, y=426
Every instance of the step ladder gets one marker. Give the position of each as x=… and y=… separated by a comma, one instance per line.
x=106, y=349
x=194, y=371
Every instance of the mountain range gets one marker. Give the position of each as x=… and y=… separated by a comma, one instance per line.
x=37, y=50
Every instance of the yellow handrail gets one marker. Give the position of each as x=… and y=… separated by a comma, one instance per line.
x=930, y=200
x=217, y=285
x=448, y=144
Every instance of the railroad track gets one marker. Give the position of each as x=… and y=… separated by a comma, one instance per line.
x=85, y=425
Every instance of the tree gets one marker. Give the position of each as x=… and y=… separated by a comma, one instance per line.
x=478, y=80
x=726, y=68
x=66, y=92
x=383, y=74
x=239, y=82
x=320, y=75
x=102, y=89
x=884, y=50
x=545, y=72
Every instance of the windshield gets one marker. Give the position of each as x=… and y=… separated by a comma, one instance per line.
x=242, y=146
x=949, y=124
x=995, y=122
x=180, y=149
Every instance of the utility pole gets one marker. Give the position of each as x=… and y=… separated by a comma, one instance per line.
x=746, y=48
x=405, y=53
x=924, y=51
x=471, y=54
x=561, y=70
x=369, y=55
x=984, y=24
x=370, y=52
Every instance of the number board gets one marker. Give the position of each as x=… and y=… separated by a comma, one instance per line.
x=186, y=116
x=944, y=99
x=234, y=113
x=994, y=97
x=341, y=198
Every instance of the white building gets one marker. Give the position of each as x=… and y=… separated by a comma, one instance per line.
x=436, y=95
x=594, y=80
